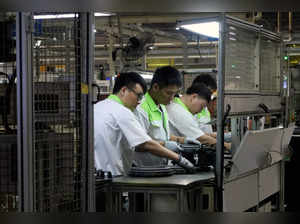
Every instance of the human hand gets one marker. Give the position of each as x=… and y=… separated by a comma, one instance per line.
x=188, y=140
x=173, y=146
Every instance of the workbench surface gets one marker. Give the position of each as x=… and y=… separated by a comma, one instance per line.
x=183, y=180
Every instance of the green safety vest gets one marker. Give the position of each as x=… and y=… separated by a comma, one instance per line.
x=204, y=116
x=115, y=98
x=153, y=111
x=179, y=101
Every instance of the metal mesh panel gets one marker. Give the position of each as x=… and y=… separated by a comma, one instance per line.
x=58, y=156
x=8, y=121
x=297, y=100
x=188, y=80
x=270, y=65
x=240, y=59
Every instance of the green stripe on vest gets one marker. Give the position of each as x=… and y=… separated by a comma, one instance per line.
x=154, y=114
x=179, y=101
x=204, y=113
x=116, y=99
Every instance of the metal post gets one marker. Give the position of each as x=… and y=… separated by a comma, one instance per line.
x=285, y=94
x=87, y=50
x=110, y=58
x=185, y=53
x=282, y=187
x=220, y=112
x=25, y=112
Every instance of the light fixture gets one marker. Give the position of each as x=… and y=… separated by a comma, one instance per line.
x=68, y=15
x=209, y=27
x=102, y=14
x=54, y=16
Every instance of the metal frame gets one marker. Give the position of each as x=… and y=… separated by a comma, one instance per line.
x=223, y=21
x=220, y=111
x=25, y=109
x=87, y=24
x=269, y=35
x=185, y=194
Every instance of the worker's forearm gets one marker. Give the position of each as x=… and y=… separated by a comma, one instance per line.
x=214, y=134
x=158, y=150
x=177, y=139
x=206, y=139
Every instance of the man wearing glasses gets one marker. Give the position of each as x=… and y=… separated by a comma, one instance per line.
x=153, y=117
x=117, y=133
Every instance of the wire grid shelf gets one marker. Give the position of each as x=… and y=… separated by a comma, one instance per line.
x=270, y=68
x=8, y=118
x=58, y=176
x=240, y=59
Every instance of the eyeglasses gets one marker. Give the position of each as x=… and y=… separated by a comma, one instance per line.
x=138, y=95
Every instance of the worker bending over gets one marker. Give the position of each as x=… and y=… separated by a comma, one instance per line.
x=153, y=116
x=182, y=114
x=117, y=133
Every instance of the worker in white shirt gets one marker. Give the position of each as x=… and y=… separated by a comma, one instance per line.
x=117, y=133
x=204, y=116
x=182, y=114
x=153, y=116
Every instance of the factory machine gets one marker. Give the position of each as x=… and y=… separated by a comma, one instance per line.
x=256, y=90
x=254, y=105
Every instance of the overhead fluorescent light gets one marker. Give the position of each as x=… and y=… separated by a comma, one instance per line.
x=54, y=16
x=102, y=14
x=210, y=28
x=68, y=15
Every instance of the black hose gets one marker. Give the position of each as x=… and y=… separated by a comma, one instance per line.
x=7, y=100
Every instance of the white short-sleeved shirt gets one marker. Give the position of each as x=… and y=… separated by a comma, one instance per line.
x=116, y=133
x=203, y=118
x=182, y=121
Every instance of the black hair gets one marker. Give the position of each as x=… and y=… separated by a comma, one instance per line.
x=129, y=79
x=201, y=90
x=206, y=79
x=166, y=76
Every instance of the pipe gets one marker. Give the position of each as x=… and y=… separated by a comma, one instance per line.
x=278, y=22
x=178, y=36
x=290, y=28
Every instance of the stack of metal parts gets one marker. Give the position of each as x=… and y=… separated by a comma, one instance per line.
x=151, y=171
x=202, y=157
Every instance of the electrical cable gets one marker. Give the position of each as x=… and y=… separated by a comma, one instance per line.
x=7, y=102
x=7, y=99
